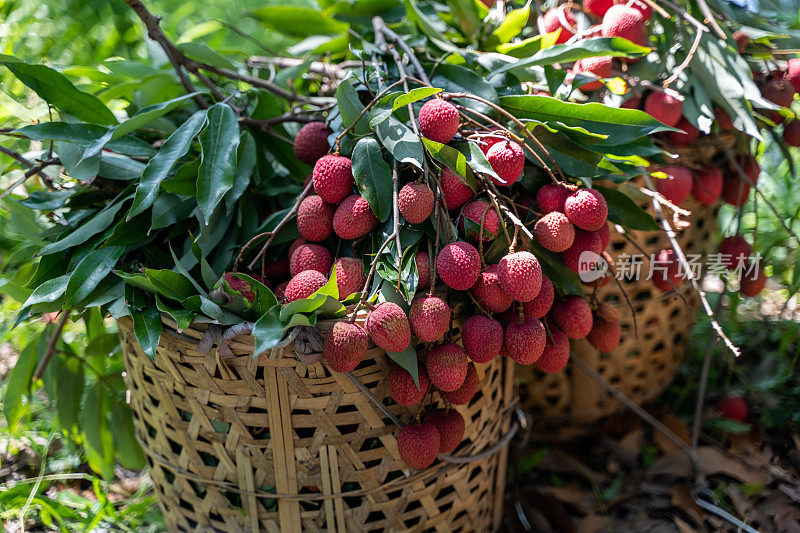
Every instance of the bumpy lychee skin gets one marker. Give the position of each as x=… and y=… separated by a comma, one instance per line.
x=554, y=231
x=311, y=142
x=664, y=108
x=415, y=201
x=539, y=306
x=482, y=338
x=438, y=120
x=450, y=425
x=524, y=341
x=447, y=366
x=639, y=5
x=354, y=218
x=488, y=292
x=402, y=387
x=551, y=197
x=429, y=317
x=345, y=346
x=733, y=406
x=793, y=73
x=586, y=209
x=778, y=91
x=585, y=241
x=463, y=394
x=482, y=214
x=490, y=140
x=350, y=276
x=241, y=286
x=667, y=272
x=520, y=276
x=677, y=185
x=459, y=265
x=734, y=252
x=599, y=66
x=605, y=235
x=304, y=285
x=752, y=281
x=688, y=134
x=627, y=22
x=555, y=354
x=388, y=327
x=707, y=185
x=573, y=316
x=791, y=133
x=315, y=218
x=735, y=190
x=507, y=160
x=333, y=178
x=423, y=263
x=597, y=8
x=418, y=444
x=453, y=189
x=310, y=257
x=555, y=19
x=605, y=334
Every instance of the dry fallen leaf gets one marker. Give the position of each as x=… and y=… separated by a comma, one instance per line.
x=712, y=461
x=664, y=443
x=681, y=498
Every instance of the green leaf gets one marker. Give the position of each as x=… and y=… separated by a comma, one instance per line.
x=264, y=298
x=434, y=34
x=54, y=88
x=92, y=269
x=49, y=291
x=555, y=269
x=455, y=79
x=219, y=142
x=404, y=145
x=467, y=14
x=624, y=211
x=373, y=177
x=244, y=169
x=182, y=317
x=734, y=427
x=19, y=382
x=147, y=328
x=99, y=441
x=267, y=332
x=476, y=159
x=170, y=284
x=126, y=448
x=64, y=382
x=84, y=135
x=513, y=24
x=85, y=231
x=452, y=159
x=205, y=54
x=350, y=107
x=408, y=360
x=298, y=21
x=159, y=166
x=414, y=95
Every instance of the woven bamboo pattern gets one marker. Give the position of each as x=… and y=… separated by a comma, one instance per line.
x=642, y=367
x=270, y=444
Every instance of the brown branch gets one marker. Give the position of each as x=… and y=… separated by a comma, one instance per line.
x=685, y=63
x=711, y=18
x=51, y=346
x=34, y=170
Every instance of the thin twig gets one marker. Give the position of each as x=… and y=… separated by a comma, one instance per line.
x=32, y=172
x=370, y=274
x=711, y=18
x=685, y=63
x=51, y=346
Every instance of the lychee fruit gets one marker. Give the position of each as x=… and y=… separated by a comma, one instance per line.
x=735, y=190
x=634, y=102
x=667, y=271
x=539, y=306
x=749, y=165
x=791, y=133
x=311, y=142
x=688, y=134
x=707, y=185
x=520, y=275
x=778, y=91
x=344, y=347
x=554, y=231
x=489, y=140
x=455, y=192
x=524, y=340
x=640, y=6
x=350, y=276
x=677, y=185
x=277, y=270
x=606, y=329
x=458, y=265
x=415, y=201
x=587, y=209
x=734, y=252
x=752, y=281
x=418, y=444
x=485, y=221
x=488, y=292
x=742, y=40
x=310, y=257
x=724, y=120
x=463, y=394
x=429, y=317
x=733, y=407
x=354, y=218
x=585, y=241
x=315, y=218
x=280, y=291
x=507, y=160
x=438, y=120
x=304, y=284
x=627, y=22
x=793, y=73
x=573, y=316
x=423, y=263
x=605, y=235
x=597, y=8
x=447, y=366
x=450, y=425
x=555, y=354
x=333, y=178
x=664, y=108
x=482, y=338
x=402, y=387
x=551, y=197
x=388, y=327
x=599, y=66
x=563, y=18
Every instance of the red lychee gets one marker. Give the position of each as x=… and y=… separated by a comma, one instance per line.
x=597, y=8
x=634, y=102
x=402, y=388
x=585, y=241
x=482, y=338
x=640, y=6
x=627, y=22
x=778, y=91
x=304, y=284
x=793, y=73
x=605, y=235
x=354, y=218
x=599, y=66
x=520, y=275
x=742, y=40
x=438, y=120
x=735, y=190
x=345, y=346
x=733, y=406
x=688, y=134
x=667, y=271
x=388, y=327
x=677, y=185
x=311, y=142
x=554, y=231
x=488, y=140
x=539, y=306
x=488, y=292
x=555, y=354
x=315, y=218
x=606, y=329
x=560, y=17
x=485, y=220
x=551, y=197
x=573, y=316
x=752, y=281
x=333, y=178
x=724, y=120
x=418, y=444
x=450, y=425
x=429, y=317
x=524, y=341
x=734, y=252
x=447, y=366
x=791, y=133
x=278, y=270
x=507, y=159
x=664, y=108
x=459, y=265
x=310, y=257
x=423, y=263
x=707, y=185
x=415, y=201
x=453, y=189
x=463, y=394
x=350, y=276
x=587, y=209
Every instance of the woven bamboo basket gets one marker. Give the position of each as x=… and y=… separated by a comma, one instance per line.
x=641, y=367
x=268, y=443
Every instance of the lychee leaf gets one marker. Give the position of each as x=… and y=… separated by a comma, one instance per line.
x=624, y=211
x=264, y=299
x=476, y=159
x=452, y=159
x=404, y=145
x=408, y=360
x=414, y=95
x=267, y=332
x=350, y=107
x=219, y=141
x=373, y=177
x=513, y=24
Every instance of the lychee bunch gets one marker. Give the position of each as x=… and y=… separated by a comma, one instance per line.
x=485, y=220
x=388, y=327
x=587, y=209
x=311, y=142
x=354, y=218
x=333, y=178
x=415, y=201
x=520, y=275
x=458, y=265
x=429, y=317
x=438, y=120
x=507, y=160
x=315, y=218
x=345, y=345
x=554, y=231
